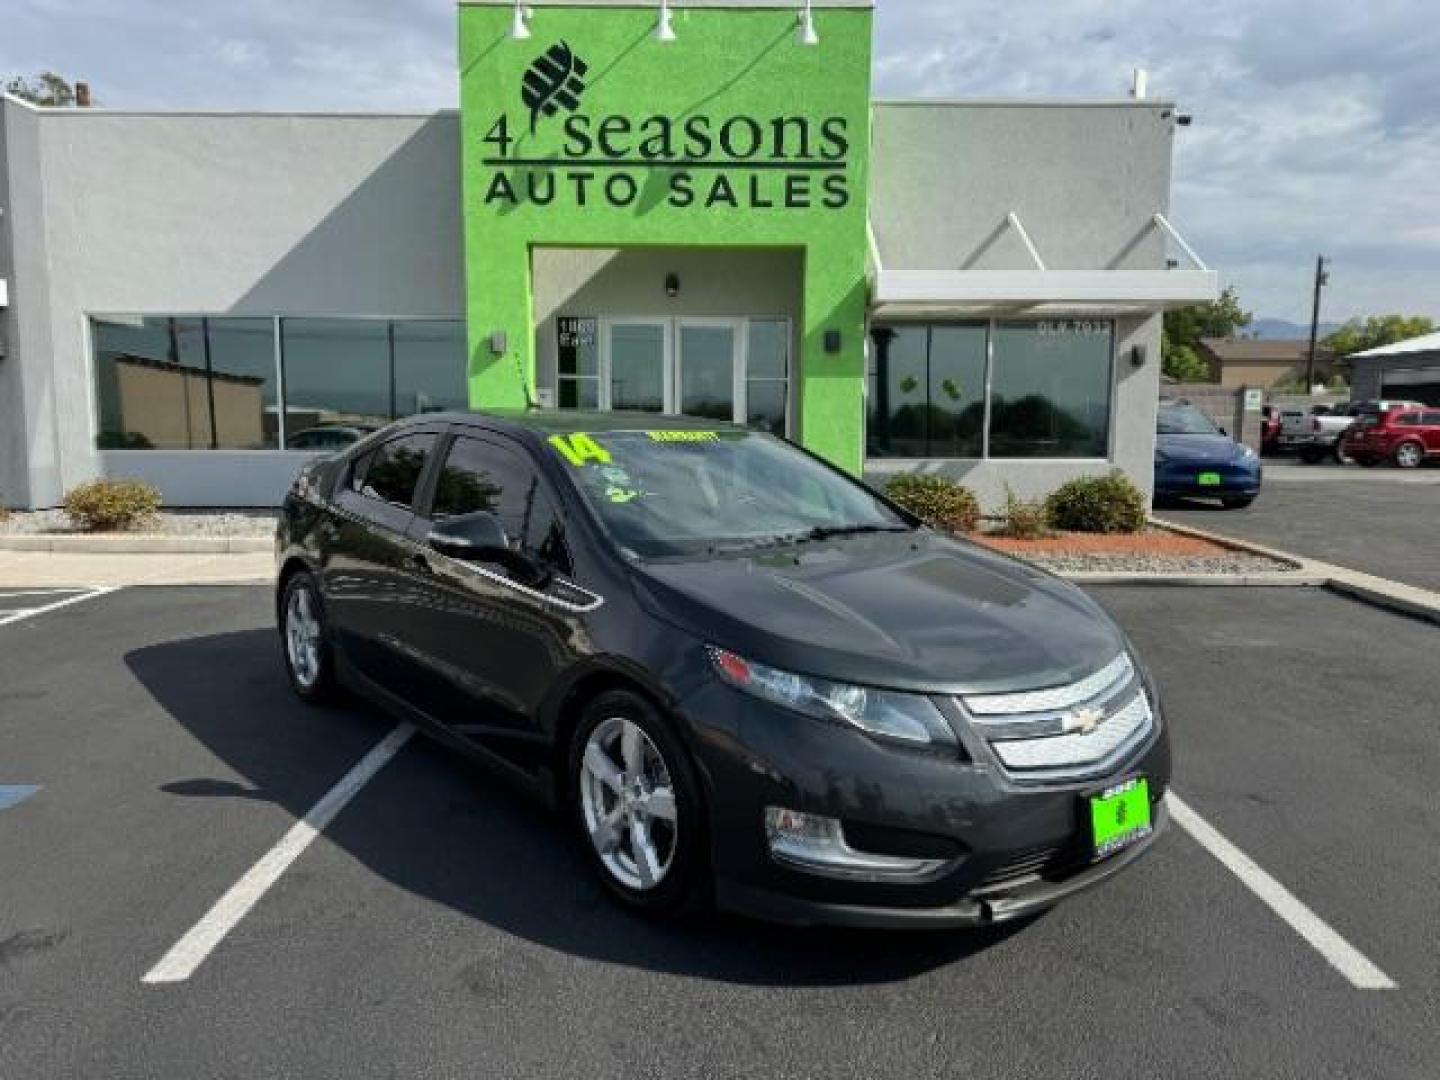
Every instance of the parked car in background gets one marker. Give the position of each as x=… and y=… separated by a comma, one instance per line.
x=1405, y=436
x=1270, y=423
x=328, y=437
x=1195, y=457
x=1314, y=433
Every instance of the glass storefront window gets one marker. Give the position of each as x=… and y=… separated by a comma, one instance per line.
x=206, y=383
x=167, y=383
x=430, y=367
x=1050, y=384
x=337, y=375
x=1050, y=389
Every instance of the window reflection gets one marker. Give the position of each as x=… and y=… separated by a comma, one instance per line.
x=185, y=384
x=201, y=383
x=1050, y=385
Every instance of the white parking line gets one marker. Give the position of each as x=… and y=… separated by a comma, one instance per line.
x=1343, y=956
x=27, y=613
x=190, y=951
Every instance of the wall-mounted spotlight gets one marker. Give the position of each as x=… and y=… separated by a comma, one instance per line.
x=806, y=21
x=1138, y=356
x=519, y=23
x=672, y=285
x=665, y=27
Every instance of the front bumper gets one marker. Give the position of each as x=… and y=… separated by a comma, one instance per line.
x=1010, y=847
x=1176, y=479
x=986, y=908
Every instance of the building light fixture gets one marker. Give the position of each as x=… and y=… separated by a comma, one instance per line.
x=665, y=27
x=519, y=23
x=806, y=21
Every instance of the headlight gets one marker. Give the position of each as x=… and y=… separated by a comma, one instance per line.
x=1246, y=453
x=912, y=718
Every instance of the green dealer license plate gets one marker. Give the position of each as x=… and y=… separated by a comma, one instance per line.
x=1209, y=479
x=1119, y=816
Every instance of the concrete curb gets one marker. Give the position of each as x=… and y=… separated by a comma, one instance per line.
x=1378, y=592
x=135, y=543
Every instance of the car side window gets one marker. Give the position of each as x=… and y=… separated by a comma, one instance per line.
x=1408, y=419
x=482, y=476
x=391, y=472
x=1431, y=419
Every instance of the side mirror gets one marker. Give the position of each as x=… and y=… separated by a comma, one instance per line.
x=480, y=538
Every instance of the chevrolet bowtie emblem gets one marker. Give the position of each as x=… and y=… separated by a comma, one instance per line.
x=1083, y=720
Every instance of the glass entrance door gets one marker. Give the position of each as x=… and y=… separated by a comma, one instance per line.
x=636, y=358
x=735, y=370
x=708, y=363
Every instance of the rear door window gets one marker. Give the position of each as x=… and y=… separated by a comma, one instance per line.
x=391, y=472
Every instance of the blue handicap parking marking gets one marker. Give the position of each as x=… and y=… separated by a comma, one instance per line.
x=14, y=794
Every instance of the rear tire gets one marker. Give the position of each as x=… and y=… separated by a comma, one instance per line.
x=305, y=641
x=635, y=804
x=1409, y=455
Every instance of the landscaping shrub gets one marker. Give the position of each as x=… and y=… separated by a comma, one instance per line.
x=1024, y=519
x=103, y=505
x=936, y=500
x=1098, y=504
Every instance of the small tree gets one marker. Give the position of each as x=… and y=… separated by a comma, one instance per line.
x=1357, y=335
x=1184, y=327
x=47, y=89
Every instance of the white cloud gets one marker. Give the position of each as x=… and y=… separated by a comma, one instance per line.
x=1314, y=119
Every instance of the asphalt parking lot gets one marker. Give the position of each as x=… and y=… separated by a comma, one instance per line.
x=442, y=927
x=1383, y=522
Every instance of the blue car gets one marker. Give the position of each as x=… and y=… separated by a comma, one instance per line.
x=1195, y=458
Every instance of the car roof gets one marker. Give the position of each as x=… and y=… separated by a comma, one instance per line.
x=566, y=421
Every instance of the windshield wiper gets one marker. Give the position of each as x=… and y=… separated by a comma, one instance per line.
x=826, y=532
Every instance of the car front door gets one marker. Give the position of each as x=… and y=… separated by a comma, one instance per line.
x=1431, y=419
x=369, y=574
x=493, y=646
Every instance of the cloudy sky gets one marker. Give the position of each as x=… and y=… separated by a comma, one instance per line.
x=1317, y=122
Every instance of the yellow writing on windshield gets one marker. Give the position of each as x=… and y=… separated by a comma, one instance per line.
x=683, y=436
x=580, y=448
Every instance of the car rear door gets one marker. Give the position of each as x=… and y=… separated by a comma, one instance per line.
x=369, y=573
x=492, y=646
x=1431, y=431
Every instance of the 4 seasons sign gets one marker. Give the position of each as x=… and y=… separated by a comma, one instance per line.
x=690, y=161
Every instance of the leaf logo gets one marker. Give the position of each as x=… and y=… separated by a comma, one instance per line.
x=554, y=81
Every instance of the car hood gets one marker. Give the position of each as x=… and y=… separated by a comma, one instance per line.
x=910, y=611
x=1197, y=449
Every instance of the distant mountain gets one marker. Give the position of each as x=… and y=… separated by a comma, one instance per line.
x=1283, y=330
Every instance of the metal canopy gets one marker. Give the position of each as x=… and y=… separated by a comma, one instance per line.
x=1040, y=290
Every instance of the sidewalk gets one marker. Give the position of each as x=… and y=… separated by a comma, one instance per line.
x=45, y=569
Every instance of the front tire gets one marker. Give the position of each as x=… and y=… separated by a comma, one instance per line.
x=1409, y=455
x=305, y=642
x=1236, y=502
x=1311, y=455
x=636, y=805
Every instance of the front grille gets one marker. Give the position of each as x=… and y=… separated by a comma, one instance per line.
x=1079, y=730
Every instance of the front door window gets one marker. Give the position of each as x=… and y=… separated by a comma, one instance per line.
x=734, y=370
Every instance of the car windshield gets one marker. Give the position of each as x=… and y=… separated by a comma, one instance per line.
x=1184, y=420
x=675, y=493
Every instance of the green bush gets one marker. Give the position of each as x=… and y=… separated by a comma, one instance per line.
x=936, y=500
x=1024, y=519
x=1098, y=504
x=104, y=505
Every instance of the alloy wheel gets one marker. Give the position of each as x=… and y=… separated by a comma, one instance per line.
x=302, y=637
x=1407, y=455
x=627, y=799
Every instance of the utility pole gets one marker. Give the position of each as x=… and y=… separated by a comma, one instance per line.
x=1322, y=278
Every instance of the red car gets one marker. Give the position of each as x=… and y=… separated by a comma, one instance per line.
x=1405, y=436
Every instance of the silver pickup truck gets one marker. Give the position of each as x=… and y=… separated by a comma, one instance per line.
x=1315, y=433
